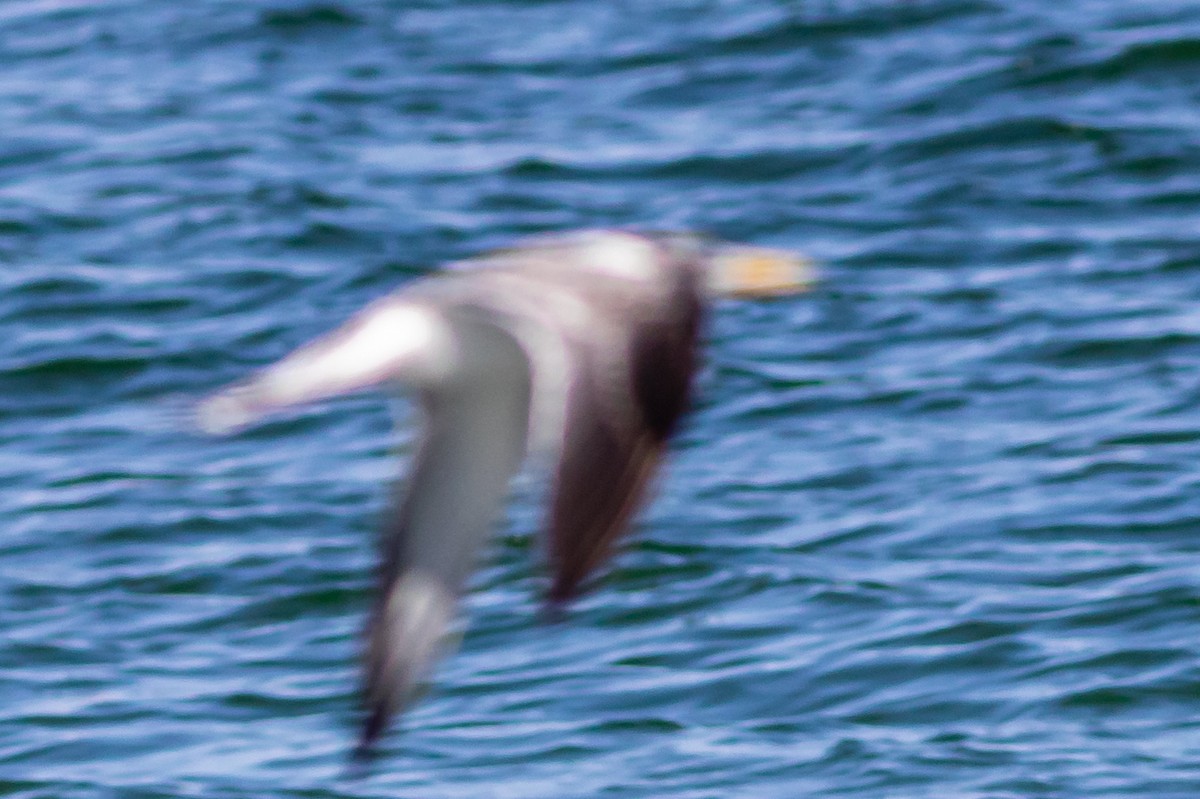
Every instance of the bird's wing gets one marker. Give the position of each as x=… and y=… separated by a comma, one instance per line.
x=620, y=414
x=474, y=440
x=392, y=340
x=600, y=481
x=473, y=381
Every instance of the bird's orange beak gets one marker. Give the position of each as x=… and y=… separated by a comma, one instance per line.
x=744, y=271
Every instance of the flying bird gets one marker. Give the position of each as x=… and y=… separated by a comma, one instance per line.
x=580, y=347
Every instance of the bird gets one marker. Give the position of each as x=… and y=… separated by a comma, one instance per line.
x=580, y=347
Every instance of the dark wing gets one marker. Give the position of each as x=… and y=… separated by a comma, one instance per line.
x=615, y=435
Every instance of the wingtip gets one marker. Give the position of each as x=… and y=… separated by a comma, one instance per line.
x=366, y=748
x=565, y=589
x=553, y=611
x=359, y=764
x=372, y=729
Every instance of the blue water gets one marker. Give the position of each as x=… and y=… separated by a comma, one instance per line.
x=933, y=530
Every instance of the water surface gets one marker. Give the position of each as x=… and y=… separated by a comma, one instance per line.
x=931, y=531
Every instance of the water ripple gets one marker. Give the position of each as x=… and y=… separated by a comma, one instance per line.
x=929, y=531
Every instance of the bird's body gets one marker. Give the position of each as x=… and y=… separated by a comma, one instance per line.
x=579, y=346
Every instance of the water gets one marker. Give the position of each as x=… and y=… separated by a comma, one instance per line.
x=931, y=531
